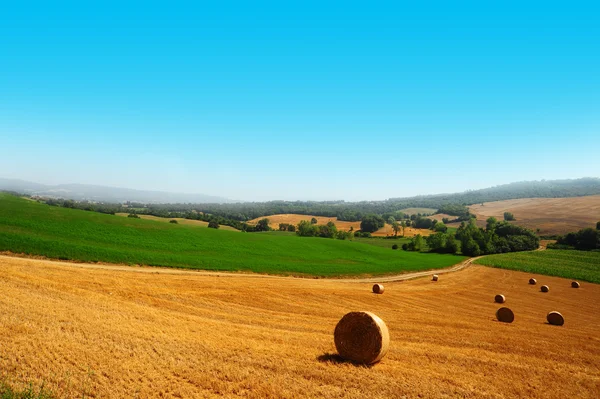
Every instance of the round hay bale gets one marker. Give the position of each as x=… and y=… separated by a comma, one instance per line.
x=575, y=284
x=532, y=281
x=555, y=318
x=434, y=277
x=505, y=315
x=378, y=288
x=499, y=298
x=545, y=288
x=361, y=337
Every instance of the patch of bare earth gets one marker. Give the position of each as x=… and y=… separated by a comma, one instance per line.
x=115, y=334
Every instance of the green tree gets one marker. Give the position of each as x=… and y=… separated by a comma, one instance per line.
x=213, y=224
x=440, y=227
x=491, y=223
x=598, y=226
x=396, y=228
x=313, y=221
x=291, y=228
x=306, y=229
x=509, y=216
x=263, y=225
x=371, y=223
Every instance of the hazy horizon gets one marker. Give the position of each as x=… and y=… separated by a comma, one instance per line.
x=310, y=102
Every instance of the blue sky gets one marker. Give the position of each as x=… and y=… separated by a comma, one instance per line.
x=299, y=100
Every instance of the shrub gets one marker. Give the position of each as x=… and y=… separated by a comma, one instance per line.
x=173, y=221
x=395, y=246
x=133, y=215
x=213, y=225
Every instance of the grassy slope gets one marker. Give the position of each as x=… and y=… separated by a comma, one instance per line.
x=37, y=229
x=579, y=265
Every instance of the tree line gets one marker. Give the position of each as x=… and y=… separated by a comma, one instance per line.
x=585, y=240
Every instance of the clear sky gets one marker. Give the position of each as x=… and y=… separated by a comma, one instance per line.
x=299, y=100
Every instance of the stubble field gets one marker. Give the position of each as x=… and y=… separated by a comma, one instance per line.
x=292, y=218
x=172, y=333
x=550, y=215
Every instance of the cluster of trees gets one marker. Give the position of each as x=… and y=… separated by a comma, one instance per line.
x=497, y=237
x=329, y=230
x=287, y=227
x=371, y=223
x=585, y=240
x=110, y=209
x=455, y=209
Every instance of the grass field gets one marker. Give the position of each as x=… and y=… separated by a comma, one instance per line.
x=68, y=234
x=579, y=265
x=190, y=222
x=98, y=333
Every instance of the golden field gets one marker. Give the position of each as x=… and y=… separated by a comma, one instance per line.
x=292, y=218
x=117, y=332
x=550, y=215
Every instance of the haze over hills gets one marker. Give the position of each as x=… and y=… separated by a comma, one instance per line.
x=526, y=189
x=82, y=192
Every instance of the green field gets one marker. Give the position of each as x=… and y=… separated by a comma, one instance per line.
x=37, y=229
x=579, y=265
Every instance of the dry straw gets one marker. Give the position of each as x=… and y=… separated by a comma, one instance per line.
x=575, y=284
x=505, y=315
x=532, y=281
x=499, y=298
x=545, y=288
x=555, y=318
x=361, y=337
x=378, y=288
x=434, y=277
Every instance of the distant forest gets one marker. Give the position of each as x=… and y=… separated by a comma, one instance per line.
x=452, y=204
x=237, y=214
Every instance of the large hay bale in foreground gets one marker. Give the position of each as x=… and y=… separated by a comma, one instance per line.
x=378, y=288
x=532, y=281
x=555, y=318
x=575, y=284
x=545, y=288
x=434, y=277
x=361, y=337
x=505, y=315
x=499, y=298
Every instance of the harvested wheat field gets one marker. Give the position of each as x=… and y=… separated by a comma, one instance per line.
x=115, y=333
x=550, y=215
x=291, y=218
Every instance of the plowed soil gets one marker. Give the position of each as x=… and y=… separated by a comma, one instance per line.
x=115, y=333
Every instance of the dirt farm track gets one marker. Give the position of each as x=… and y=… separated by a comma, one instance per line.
x=112, y=333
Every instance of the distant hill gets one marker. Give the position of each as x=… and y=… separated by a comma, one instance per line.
x=83, y=192
x=525, y=189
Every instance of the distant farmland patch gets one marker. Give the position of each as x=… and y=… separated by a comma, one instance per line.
x=292, y=218
x=550, y=215
x=190, y=222
x=579, y=265
x=414, y=211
